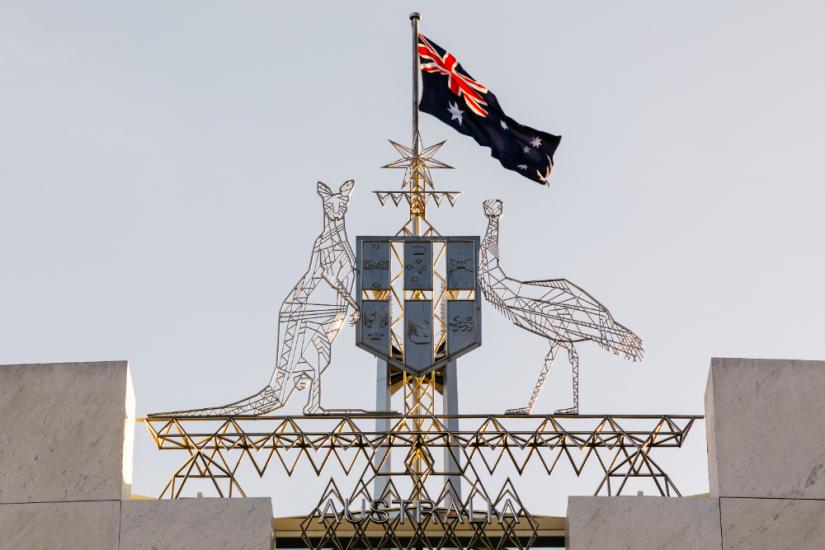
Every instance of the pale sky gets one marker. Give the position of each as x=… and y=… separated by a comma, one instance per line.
x=158, y=163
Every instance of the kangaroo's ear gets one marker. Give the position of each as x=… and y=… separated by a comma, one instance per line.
x=323, y=190
x=346, y=187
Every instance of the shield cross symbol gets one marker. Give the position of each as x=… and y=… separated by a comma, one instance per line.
x=419, y=298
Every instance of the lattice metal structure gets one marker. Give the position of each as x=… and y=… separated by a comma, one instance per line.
x=449, y=522
x=294, y=532
x=555, y=309
x=218, y=450
x=620, y=446
x=310, y=318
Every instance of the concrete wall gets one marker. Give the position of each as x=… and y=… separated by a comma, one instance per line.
x=66, y=440
x=643, y=522
x=766, y=428
x=66, y=432
x=196, y=524
x=766, y=460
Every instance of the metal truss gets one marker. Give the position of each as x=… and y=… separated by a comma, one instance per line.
x=450, y=522
x=621, y=446
x=310, y=318
x=555, y=309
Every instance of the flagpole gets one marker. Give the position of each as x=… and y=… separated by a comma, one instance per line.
x=414, y=18
x=416, y=385
x=418, y=202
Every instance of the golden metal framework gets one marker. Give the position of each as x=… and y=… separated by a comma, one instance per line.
x=294, y=532
x=620, y=445
x=448, y=522
x=217, y=449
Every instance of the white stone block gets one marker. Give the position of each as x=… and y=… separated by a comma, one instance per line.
x=643, y=523
x=66, y=432
x=757, y=523
x=766, y=435
x=60, y=526
x=197, y=524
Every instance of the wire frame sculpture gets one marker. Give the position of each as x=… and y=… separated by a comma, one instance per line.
x=556, y=309
x=310, y=318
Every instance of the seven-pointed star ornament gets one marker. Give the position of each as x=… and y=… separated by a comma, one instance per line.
x=422, y=164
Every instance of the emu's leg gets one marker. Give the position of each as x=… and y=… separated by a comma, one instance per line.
x=548, y=360
x=573, y=357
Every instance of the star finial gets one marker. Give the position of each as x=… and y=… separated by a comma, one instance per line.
x=423, y=163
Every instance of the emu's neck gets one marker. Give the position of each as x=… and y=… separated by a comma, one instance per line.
x=489, y=246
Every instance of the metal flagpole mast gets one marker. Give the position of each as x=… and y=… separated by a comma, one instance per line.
x=418, y=212
x=417, y=160
x=416, y=138
x=415, y=386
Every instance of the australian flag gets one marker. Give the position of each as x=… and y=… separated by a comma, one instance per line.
x=454, y=97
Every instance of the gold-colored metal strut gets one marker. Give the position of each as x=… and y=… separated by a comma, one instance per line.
x=620, y=447
x=418, y=203
x=417, y=188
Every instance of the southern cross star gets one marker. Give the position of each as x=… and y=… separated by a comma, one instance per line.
x=455, y=113
x=525, y=149
x=504, y=125
x=536, y=142
x=522, y=167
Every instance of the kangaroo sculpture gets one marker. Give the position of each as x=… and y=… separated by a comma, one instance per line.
x=310, y=318
x=555, y=309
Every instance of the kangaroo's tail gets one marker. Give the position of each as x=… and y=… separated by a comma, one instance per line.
x=260, y=403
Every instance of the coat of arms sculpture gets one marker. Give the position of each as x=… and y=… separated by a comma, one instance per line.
x=416, y=302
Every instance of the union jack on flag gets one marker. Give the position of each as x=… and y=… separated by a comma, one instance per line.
x=459, y=83
x=453, y=96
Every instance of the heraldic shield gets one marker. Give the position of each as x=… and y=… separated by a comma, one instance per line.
x=419, y=298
